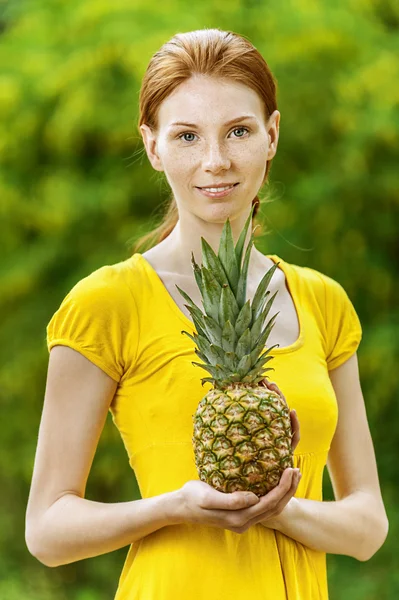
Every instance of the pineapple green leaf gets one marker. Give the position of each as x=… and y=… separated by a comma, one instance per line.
x=243, y=346
x=212, y=355
x=260, y=292
x=207, y=380
x=230, y=360
x=213, y=329
x=244, y=365
x=211, y=289
x=262, y=304
x=211, y=262
x=262, y=360
x=203, y=344
x=235, y=377
x=244, y=319
x=228, y=307
x=227, y=256
x=203, y=366
x=201, y=356
x=256, y=352
x=195, y=311
x=187, y=298
x=242, y=282
x=241, y=240
x=190, y=336
x=198, y=318
x=256, y=328
x=229, y=337
x=258, y=324
x=265, y=334
x=214, y=348
x=197, y=274
x=216, y=371
x=254, y=375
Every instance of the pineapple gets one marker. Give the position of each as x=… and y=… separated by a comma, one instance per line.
x=242, y=429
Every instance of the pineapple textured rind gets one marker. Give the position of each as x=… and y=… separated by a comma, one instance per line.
x=242, y=439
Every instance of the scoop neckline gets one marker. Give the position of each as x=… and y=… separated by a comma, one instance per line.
x=289, y=284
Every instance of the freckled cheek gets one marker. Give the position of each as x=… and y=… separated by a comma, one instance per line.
x=179, y=169
x=179, y=164
x=180, y=161
x=251, y=159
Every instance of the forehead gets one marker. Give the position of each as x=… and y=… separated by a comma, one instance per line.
x=209, y=100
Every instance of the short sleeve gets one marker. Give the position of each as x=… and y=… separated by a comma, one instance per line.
x=343, y=327
x=98, y=318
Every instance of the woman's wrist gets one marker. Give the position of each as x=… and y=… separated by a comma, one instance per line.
x=172, y=508
x=281, y=521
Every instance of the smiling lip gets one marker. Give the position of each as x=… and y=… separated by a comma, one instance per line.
x=217, y=185
x=221, y=194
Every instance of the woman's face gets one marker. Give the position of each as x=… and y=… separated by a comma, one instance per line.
x=203, y=139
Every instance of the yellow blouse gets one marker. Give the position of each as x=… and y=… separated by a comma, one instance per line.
x=123, y=319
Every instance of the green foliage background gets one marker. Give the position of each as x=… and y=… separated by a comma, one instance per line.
x=76, y=190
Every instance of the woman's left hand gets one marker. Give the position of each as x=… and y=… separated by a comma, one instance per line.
x=273, y=523
x=295, y=437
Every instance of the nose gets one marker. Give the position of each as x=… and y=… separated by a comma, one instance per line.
x=216, y=158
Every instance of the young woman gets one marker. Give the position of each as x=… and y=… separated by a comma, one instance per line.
x=209, y=118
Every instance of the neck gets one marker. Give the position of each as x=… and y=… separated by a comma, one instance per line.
x=186, y=239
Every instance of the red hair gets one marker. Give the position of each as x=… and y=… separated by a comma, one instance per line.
x=213, y=52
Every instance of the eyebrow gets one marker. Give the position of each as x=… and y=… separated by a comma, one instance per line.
x=242, y=118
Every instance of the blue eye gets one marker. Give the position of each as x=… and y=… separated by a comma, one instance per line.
x=242, y=128
x=187, y=133
x=181, y=136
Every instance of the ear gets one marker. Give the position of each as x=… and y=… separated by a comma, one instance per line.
x=150, y=144
x=273, y=129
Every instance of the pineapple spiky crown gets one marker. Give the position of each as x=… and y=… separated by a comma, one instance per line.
x=230, y=335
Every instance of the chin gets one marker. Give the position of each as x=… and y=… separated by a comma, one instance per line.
x=218, y=213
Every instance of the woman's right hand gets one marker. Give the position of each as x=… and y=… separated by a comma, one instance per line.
x=198, y=502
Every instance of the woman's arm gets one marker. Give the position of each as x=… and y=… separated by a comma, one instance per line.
x=74, y=528
x=355, y=524
x=350, y=526
x=61, y=525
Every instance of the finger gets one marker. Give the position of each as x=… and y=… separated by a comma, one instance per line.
x=295, y=429
x=294, y=419
x=277, y=390
x=292, y=491
x=261, y=514
x=266, y=504
x=282, y=503
x=276, y=495
x=230, y=501
x=272, y=498
x=273, y=386
x=268, y=384
x=283, y=486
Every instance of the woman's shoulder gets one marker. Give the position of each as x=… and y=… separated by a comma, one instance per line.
x=334, y=310
x=98, y=318
x=315, y=282
x=110, y=282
